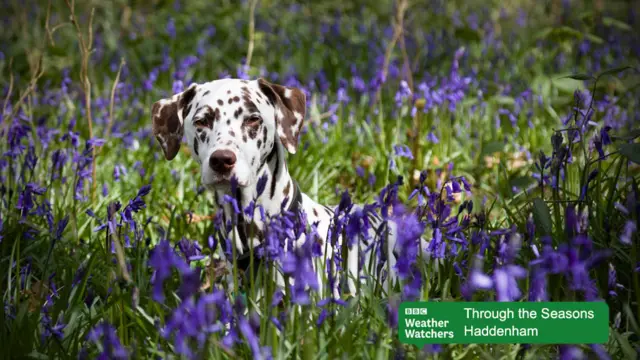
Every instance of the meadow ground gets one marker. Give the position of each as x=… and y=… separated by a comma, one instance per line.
x=502, y=133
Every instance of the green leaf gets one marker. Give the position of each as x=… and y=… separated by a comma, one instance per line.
x=504, y=100
x=594, y=39
x=627, y=349
x=578, y=77
x=542, y=216
x=58, y=51
x=521, y=181
x=561, y=34
x=492, y=147
x=614, y=71
x=629, y=136
x=630, y=151
x=568, y=84
x=552, y=112
x=468, y=34
x=609, y=21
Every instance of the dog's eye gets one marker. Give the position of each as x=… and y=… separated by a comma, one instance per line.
x=200, y=123
x=252, y=120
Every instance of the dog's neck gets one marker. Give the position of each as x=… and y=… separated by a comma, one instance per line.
x=278, y=188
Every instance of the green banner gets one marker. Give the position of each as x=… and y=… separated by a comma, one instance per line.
x=422, y=323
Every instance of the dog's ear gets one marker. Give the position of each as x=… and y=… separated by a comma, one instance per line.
x=168, y=120
x=290, y=104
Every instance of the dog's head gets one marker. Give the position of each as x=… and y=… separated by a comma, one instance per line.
x=231, y=126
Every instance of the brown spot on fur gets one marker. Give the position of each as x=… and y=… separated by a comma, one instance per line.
x=287, y=188
x=328, y=211
x=238, y=112
x=185, y=100
x=220, y=102
x=195, y=145
x=236, y=99
x=210, y=116
x=251, y=106
x=206, y=93
x=158, y=120
x=186, y=112
x=167, y=127
x=259, y=143
x=169, y=115
x=233, y=134
x=244, y=138
x=253, y=132
x=315, y=212
x=289, y=106
x=248, y=102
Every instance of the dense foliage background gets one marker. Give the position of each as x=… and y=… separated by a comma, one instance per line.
x=504, y=134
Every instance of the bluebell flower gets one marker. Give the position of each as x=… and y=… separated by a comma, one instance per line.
x=506, y=282
x=110, y=346
x=61, y=225
x=197, y=320
x=585, y=187
x=171, y=28
x=190, y=249
x=51, y=329
x=409, y=230
x=404, y=92
x=178, y=86
x=234, y=203
x=570, y=352
x=260, y=186
x=629, y=229
x=163, y=259
x=600, y=351
x=26, y=198
x=403, y=151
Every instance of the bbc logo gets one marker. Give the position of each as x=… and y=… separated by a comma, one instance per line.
x=415, y=311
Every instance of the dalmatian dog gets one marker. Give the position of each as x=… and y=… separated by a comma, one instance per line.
x=243, y=129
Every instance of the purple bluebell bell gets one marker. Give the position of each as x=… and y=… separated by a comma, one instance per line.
x=629, y=229
x=191, y=250
x=171, y=28
x=402, y=151
x=196, y=320
x=104, y=335
x=403, y=93
x=409, y=230
x=163, y=259
x=26, y=199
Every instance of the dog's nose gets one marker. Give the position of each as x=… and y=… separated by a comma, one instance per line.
x=222, y=161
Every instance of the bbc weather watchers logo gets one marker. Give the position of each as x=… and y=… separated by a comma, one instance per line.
x=415, y=311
